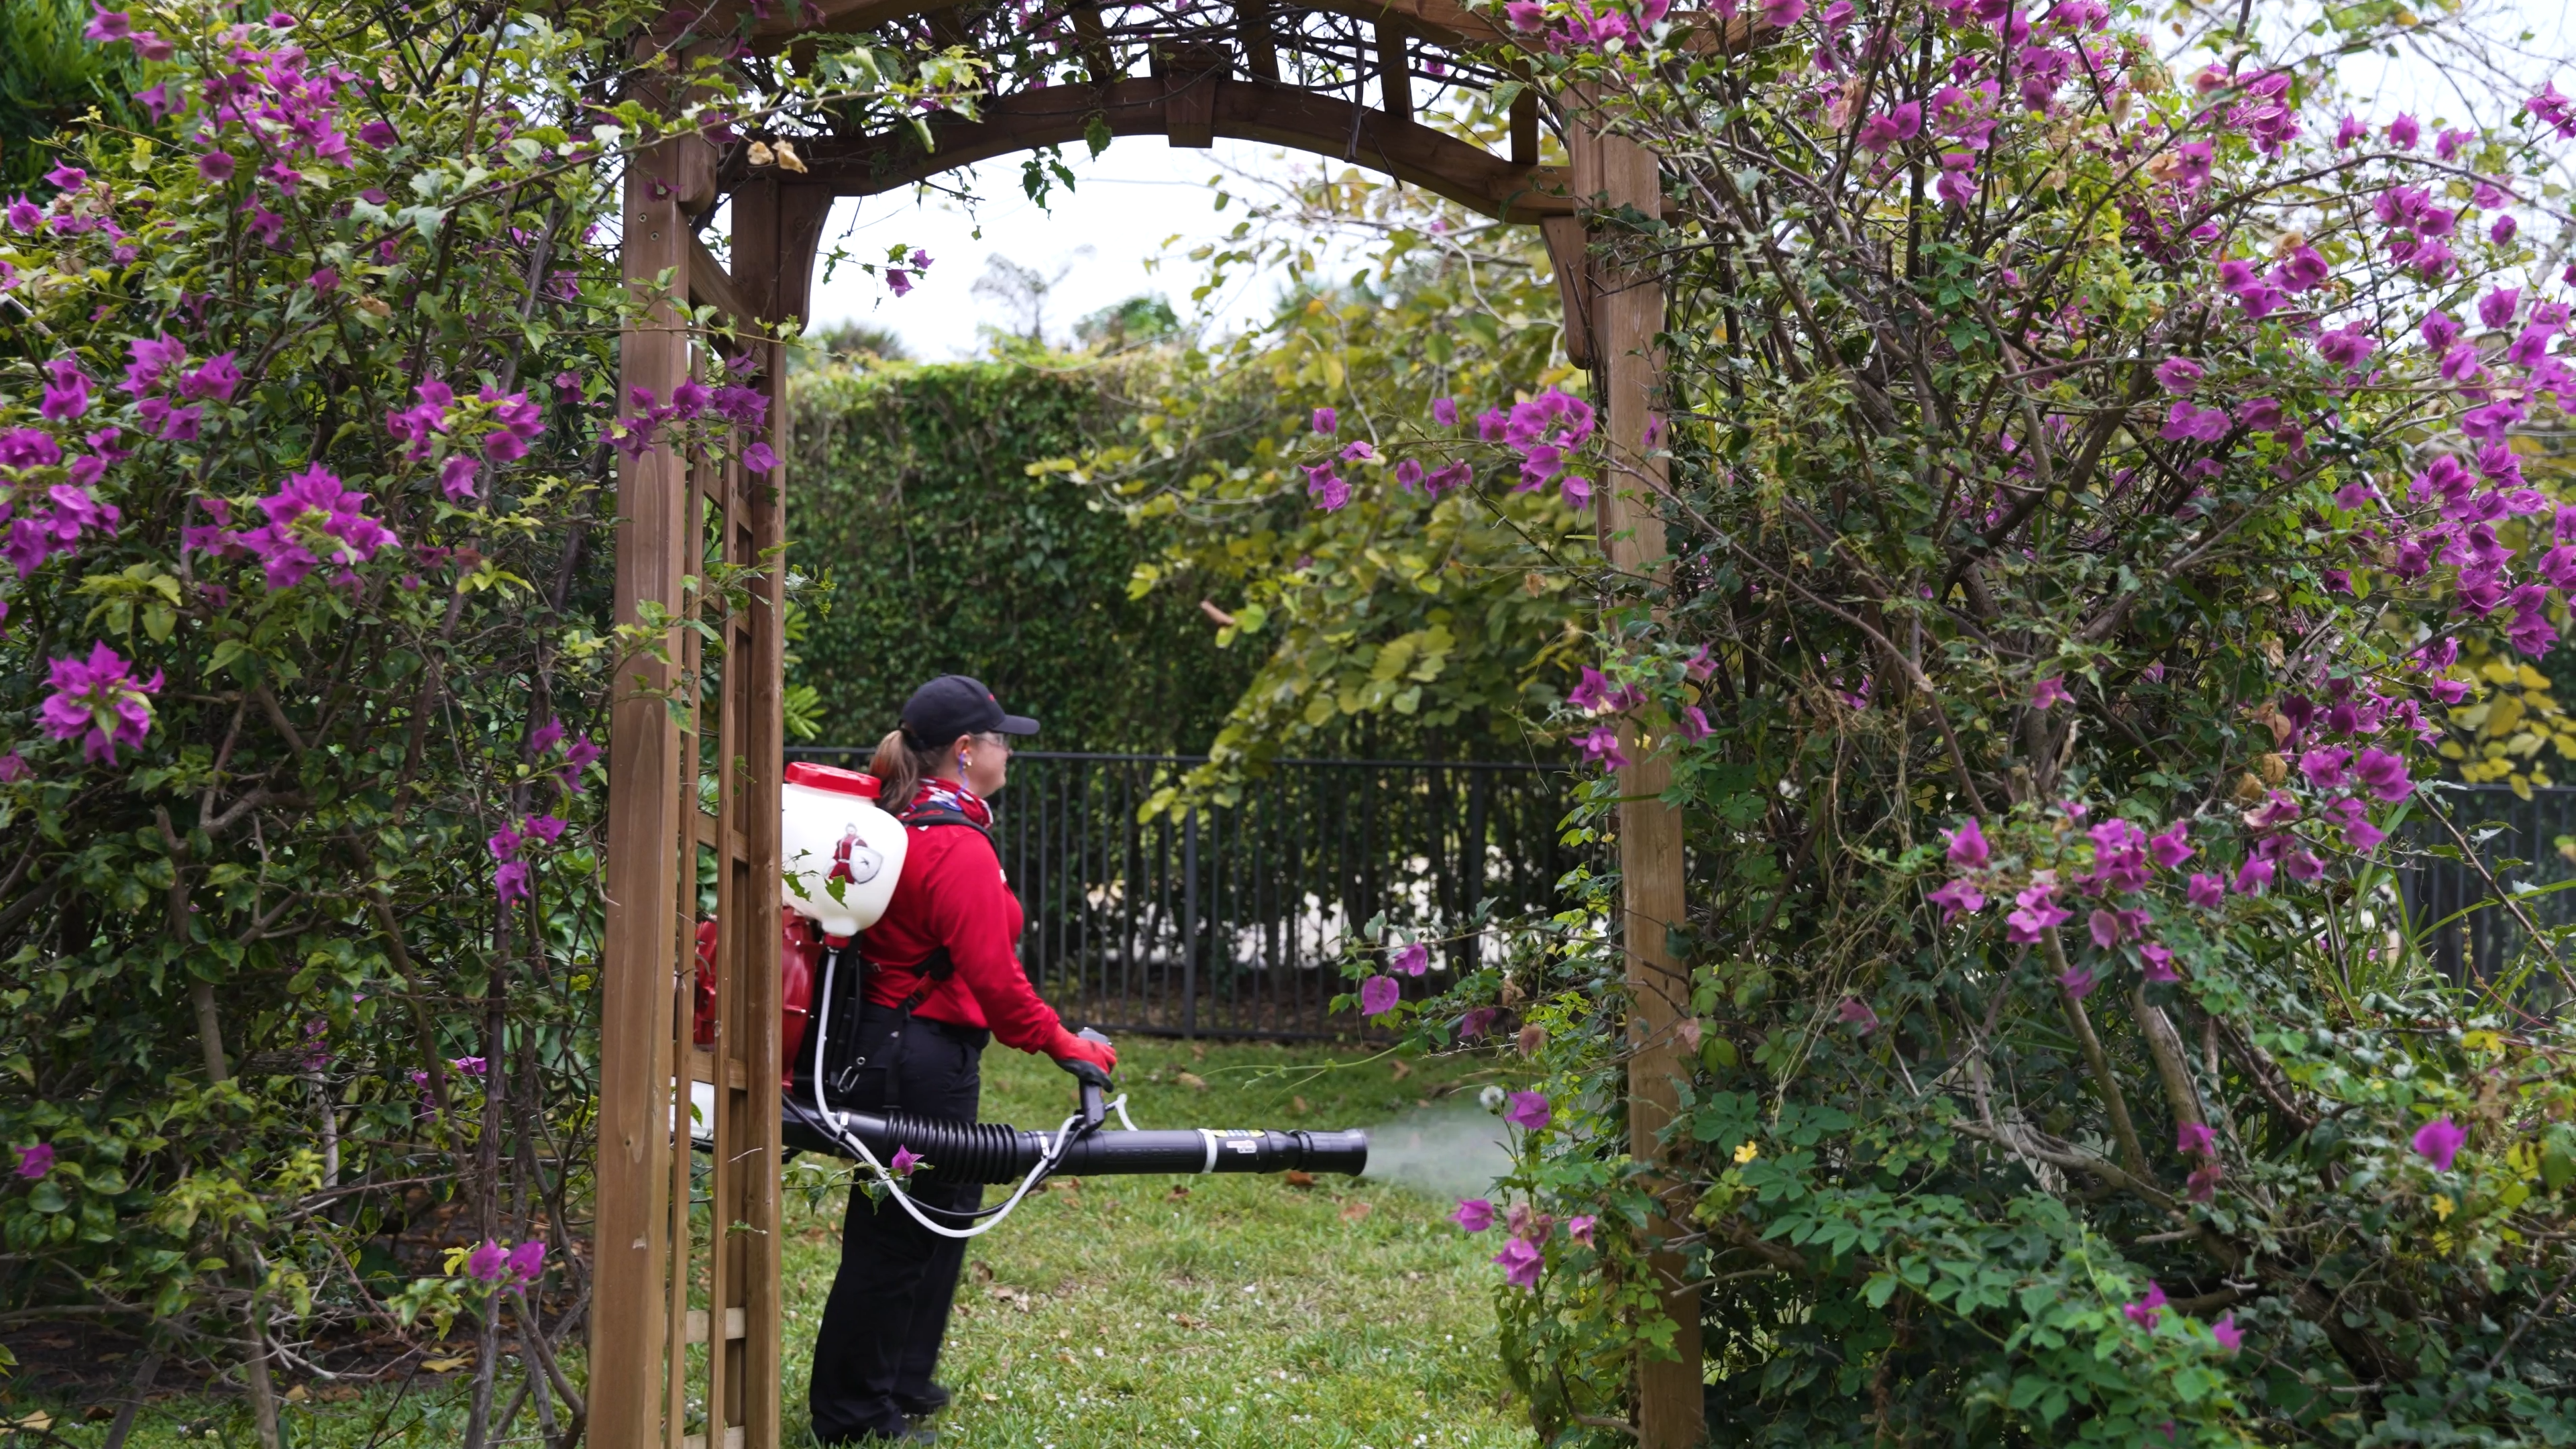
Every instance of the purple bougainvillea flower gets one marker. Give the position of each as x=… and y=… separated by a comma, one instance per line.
x=378, y=133
x=2173, y=847
x=528, y=1261
x=2179, y=375
x=2077, y=982
x=313, y=521
x=2160, y=963
x=1475, y=1214
x=2048, y=692
x=1529, y=1111
x=1326, y=419
x=758, y=458
x=903, y=1162
x=216, y=166
x=510, y=882
x=1967, y=845
x=2195, y=1138
x=2253, y=877
x=1958, y=898
x=2147, y=1310
x=1413, y=960
x=1580, y=1226
x=487, y=1263
x=1378, y=995
x=1855, y=1012
x=2384, y=774
x=1477, y=1021
x=34, y=1162
x=2229, y=1336
x=14, y=768
x=1444, y=411
x=2439, y=1141
x=2206, y=891
x=99, y=697
x=1601, y=747
x=1520, y=1261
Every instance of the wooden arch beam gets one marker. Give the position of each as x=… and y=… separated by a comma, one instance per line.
x=1200, y=105
x=1444, y=21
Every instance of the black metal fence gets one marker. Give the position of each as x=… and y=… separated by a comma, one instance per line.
x=1230, y=921
x=2524, y=844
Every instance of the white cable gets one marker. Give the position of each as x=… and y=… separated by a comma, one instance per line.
x=1046, y=1163
x=1120, y=1107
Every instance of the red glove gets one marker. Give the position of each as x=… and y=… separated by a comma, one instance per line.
x=1070, y=1048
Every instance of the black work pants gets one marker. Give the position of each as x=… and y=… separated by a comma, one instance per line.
x=888, y=1311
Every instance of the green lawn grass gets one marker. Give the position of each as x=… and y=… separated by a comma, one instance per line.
x=1127, y=1311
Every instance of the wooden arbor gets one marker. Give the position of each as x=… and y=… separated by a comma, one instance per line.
x=686, y=1322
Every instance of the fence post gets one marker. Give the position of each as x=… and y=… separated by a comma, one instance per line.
x=1190, y=924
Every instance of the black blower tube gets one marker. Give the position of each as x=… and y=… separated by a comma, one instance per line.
x=963, y=1152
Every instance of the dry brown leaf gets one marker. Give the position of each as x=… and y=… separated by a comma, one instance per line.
x=1298, y=1106
x=1194, y=1081
x=1403, y=1069
x=1300, y=1179
x=788, y=160
x=448, y=1365
x=1355, y=1210
x=983, y=1271
x=1198, y=1051
x=1179, y=1192
x=1184, y=1320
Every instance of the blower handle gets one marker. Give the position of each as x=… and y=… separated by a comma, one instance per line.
x=1093, y=1085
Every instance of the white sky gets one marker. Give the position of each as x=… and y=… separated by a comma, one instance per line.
x=1141, y=202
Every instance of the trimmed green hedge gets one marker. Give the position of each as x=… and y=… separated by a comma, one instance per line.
x=910, y=491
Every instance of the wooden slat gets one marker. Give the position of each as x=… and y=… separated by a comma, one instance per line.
x=733, y=1439
x=1626, y=313
x=1394, y=71
x=702, y=1066
x=776, y=235
x=710, y=285
x=733, y=1322
x=645, y=819
x=1245, y=110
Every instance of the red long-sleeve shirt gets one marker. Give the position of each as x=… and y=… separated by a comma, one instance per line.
x=952, y=893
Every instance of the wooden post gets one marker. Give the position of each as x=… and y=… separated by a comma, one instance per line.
x=639, y=966
x=1626, y=312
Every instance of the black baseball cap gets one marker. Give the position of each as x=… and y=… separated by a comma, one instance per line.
x=954, y=705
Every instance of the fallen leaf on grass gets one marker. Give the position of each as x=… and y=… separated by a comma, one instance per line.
x=990, y=1398
x=1298, y=1106
x=1194, y=1081
x=1355, y=1210
x=1179, y=1192
x=297, y=1395
x=983, y=1271
x=38, y=1422
x=448, y=1365
x=1403, y=1069
x=1184, y=1320
x=1198, y=1051
x=1300, y=1179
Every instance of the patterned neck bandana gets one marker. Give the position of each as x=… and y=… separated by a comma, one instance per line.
x=937, y=795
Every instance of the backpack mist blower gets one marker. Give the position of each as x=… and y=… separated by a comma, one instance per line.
x=843, y=855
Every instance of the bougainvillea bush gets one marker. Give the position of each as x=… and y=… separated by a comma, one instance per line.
x=309, y=421
x=2092, y=474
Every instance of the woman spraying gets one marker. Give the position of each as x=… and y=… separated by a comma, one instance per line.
x=943, y=978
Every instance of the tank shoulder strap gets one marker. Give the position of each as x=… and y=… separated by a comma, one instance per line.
x=927, y=818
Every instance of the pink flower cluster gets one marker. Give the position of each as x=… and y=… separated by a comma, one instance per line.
x=100, y=698
x=515, y=423
x=313, y=522
x=1522, y=1256
x=732, y=401
x=507, y=1267
x=1547, y=431
x=510, y=879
